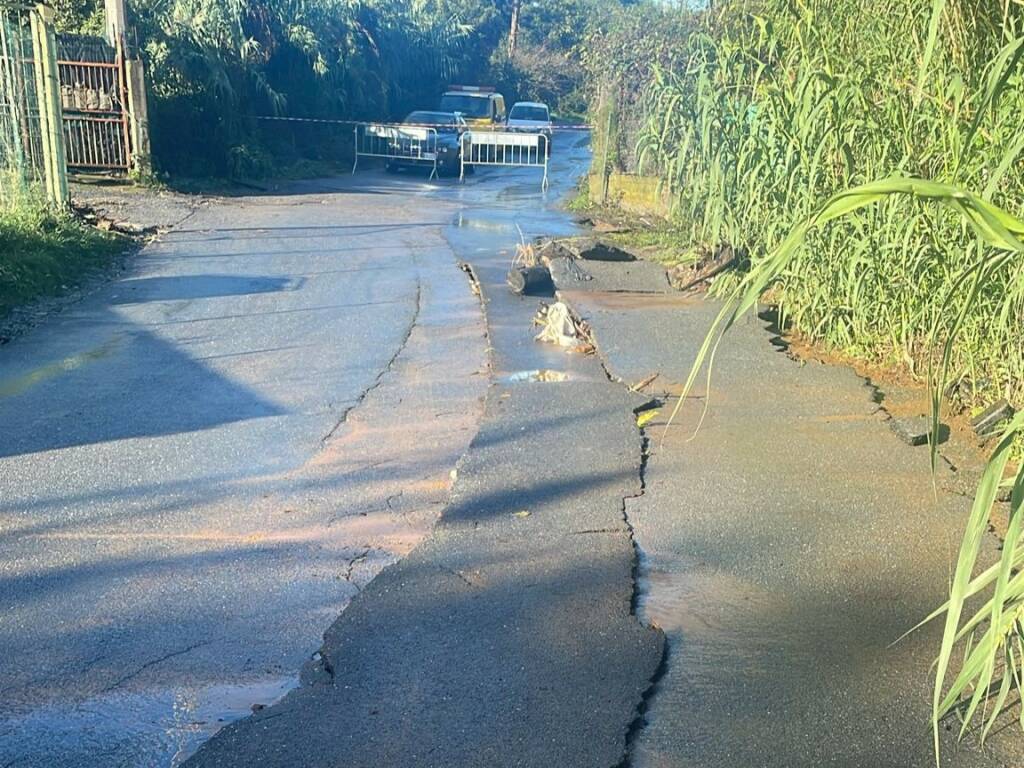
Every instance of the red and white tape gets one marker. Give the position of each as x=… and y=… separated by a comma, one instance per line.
x=330, y=121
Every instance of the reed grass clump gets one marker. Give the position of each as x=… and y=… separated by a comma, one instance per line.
x=903, y=117
x=780, y=105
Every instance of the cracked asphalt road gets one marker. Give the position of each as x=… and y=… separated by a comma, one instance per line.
x=508, y=637
x=203, y=461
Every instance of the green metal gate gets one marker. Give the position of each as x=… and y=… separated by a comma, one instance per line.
x=31, y=141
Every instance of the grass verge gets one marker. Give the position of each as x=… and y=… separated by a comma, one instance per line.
x=43, y=253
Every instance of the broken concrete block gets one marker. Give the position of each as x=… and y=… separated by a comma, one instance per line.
x=988, y=421
x=916, y=431
x=530, y=280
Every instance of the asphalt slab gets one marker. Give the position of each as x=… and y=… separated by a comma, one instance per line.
x=787, y=545
x=509, y=637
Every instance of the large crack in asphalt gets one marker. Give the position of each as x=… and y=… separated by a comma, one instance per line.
x=639, y=721
x=505, y=638
x=388, y=366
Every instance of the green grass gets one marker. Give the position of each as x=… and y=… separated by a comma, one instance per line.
x=45, y=254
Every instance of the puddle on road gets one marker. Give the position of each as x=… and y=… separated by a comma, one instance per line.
x=15, y=386
x=161, y=729
x=490, y=224
x=542, y=375
x=711, y=617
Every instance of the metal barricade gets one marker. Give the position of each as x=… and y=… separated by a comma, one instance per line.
x=396, y=142
x=507, y=149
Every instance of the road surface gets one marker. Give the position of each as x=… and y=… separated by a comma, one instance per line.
x=201, y=463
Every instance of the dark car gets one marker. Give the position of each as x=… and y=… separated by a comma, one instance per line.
x=439, y=135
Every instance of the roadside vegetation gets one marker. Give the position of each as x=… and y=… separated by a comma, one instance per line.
x=43, y=253
x=216, y=66
x=866, y=156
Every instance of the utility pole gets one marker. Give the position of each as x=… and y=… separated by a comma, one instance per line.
x=135, y=85
x=513, y=32
x=117, y=20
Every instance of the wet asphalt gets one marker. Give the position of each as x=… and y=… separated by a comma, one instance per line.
x=508, y=638
x=336, y=365
x=203, y=464
x=787, y=545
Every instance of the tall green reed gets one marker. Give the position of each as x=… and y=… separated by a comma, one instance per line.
x=783, y=104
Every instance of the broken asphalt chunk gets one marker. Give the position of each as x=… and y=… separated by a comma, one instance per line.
x=987, y=423
x=598, y=250
x=525, y=281
x=916, y=431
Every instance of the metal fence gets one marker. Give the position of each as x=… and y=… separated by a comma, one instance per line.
x=31, y=149
x=396, y=143
x=506, y=149
x=21, y=140
x=95, y=119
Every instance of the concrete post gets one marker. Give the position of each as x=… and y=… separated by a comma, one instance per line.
x=138, y=115
x=51, y=115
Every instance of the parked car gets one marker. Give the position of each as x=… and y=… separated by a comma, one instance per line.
x=480, y=106
x=532, y=116
x=449, y=128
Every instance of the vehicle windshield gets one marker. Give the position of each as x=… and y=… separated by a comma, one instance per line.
x=469, y=105
x=431, y=118
x=536, y=114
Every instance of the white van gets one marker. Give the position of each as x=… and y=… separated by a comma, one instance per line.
x=531, y=116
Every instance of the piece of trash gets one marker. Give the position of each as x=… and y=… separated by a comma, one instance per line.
x=916, y=431
x=521, y=513
x=645, y=382
x=646, y=417
x=560, y=326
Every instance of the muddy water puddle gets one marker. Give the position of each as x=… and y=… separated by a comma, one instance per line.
x=699, y=605
x=161, y=729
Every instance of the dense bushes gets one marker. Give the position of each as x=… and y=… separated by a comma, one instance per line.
x=215, y=65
